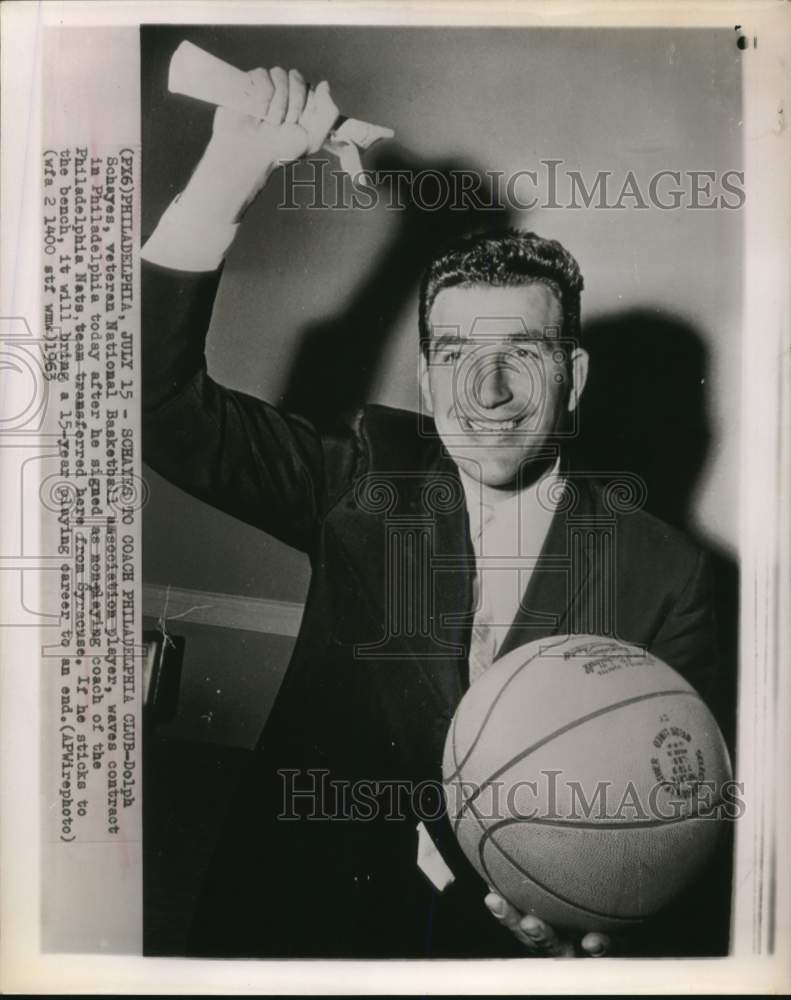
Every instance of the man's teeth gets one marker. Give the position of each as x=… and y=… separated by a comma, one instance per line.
x=491, y=425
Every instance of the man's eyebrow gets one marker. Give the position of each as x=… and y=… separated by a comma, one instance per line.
x=445, y=338
x=518, y=336
x=525, y=335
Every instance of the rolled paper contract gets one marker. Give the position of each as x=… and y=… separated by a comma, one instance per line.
x=196, y=73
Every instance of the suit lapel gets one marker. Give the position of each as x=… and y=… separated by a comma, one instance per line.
x=440, y=650
x=416, y=577
x=561, y=576
x=554, y=600
x=454, y=564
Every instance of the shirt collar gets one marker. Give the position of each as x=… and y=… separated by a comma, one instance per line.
x=482, y=513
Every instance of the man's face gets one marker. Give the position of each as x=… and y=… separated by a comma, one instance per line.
x=498, y=381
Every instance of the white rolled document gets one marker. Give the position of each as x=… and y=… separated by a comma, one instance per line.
x=196, y=73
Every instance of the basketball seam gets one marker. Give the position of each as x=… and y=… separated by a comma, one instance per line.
x=580, y=824
x=453, y=747
x=545, y=888
x=560, y=732
x=460, y=764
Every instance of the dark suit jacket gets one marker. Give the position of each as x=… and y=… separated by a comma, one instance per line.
x=379, y=667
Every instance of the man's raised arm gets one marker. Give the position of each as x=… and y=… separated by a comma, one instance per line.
x=225, y=447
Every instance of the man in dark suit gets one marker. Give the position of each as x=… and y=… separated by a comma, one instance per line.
x=397, y=512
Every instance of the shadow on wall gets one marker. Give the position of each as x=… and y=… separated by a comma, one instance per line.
x=645, y=410
x=337, y=359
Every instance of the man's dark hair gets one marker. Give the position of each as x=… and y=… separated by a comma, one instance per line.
x=502, y=258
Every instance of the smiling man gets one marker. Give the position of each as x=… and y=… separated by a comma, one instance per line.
x=495, y=374
x=438, y=542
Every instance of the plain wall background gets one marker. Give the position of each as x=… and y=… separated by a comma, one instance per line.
x=334, y=292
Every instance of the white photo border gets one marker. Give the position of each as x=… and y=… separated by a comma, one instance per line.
x=761, y=915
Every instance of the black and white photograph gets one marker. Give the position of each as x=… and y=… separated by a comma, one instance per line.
x=480, y=399
x=397, y=455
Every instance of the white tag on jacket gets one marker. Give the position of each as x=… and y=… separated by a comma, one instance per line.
x=431, y=862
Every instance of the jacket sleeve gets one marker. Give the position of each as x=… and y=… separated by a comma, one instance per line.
x=687, y=638
x=236, y=452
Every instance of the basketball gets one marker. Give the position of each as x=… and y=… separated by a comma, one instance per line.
x=584, y=781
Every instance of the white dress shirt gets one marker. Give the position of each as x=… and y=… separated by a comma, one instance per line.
x=186, y=240
x=507, y=537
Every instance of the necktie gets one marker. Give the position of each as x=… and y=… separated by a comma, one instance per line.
x=483, y=642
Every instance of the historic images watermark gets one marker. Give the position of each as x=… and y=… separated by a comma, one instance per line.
x=549, y=797
x=551, y=185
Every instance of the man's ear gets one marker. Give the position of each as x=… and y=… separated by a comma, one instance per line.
x=425, y=385
x=579, y=376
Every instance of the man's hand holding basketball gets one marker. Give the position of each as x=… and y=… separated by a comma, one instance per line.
x=542, y=940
